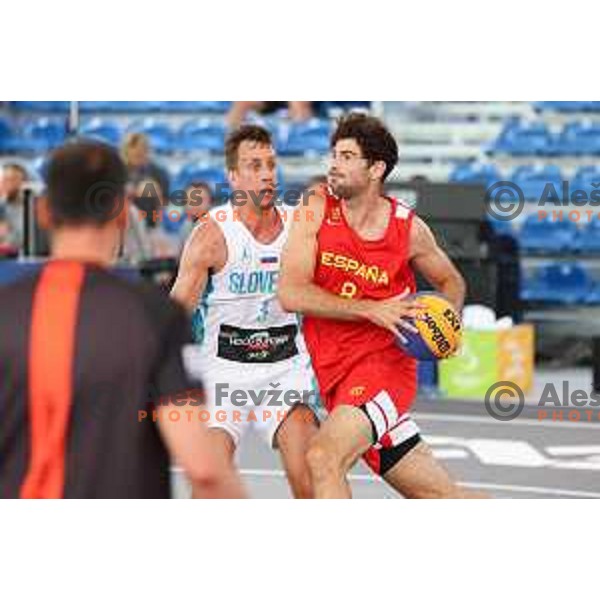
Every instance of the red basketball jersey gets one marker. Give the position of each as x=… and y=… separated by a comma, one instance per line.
x=354, y=268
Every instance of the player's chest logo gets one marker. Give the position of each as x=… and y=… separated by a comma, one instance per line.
x=259, y=281
x=369, y=273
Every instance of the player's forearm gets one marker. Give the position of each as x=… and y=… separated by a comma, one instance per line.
x=455, y=289
x=312, y=300
x=187, y=293
x=183, y=298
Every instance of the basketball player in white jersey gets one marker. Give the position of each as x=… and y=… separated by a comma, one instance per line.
x=251, y=355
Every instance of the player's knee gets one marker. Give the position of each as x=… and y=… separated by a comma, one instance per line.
x=322, y=460
x=203, y=475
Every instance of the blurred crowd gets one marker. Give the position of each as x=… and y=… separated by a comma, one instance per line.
x=157, y=227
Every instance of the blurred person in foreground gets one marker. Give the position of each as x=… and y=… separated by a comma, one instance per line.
x=89, y=359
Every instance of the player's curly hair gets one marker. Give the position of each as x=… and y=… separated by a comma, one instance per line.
x=372, y=136
x=245, y=133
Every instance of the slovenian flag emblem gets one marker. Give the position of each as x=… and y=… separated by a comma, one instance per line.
x=269, y=260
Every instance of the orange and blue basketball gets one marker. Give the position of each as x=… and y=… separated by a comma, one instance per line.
x=439, y=329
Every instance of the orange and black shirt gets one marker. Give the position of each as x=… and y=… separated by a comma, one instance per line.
x=82, y=351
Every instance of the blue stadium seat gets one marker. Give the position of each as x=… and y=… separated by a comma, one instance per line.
x=201, y=172
x=593, y=296
x=587, y=179
x=502, y=227
x=332, y=107
x=304, y=138
x=43, y=135
x=475, y=173
x=9, y=138
x=533, y=180
x=217, y=107
x=547, y=235
x=171, y=224
x=160, y=135
x=565, y=283
x=139, y=106
x=106, y=131
x=30, y=106
x=201, y=135
x=568, y=107
x=579, y=139
x=119, y=106
x=97, y=106
x=524, y=139
x=588, y=238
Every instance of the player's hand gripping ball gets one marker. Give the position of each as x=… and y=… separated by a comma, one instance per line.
x=439, y=328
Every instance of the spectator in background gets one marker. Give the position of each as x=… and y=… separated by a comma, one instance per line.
x=150, y=200
x=298, y=110
x=14, y=176
x=138, y=242
x=148, y=197
x=136, y=154
x=199, y=200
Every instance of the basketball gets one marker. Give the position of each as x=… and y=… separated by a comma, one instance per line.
x=439, y=329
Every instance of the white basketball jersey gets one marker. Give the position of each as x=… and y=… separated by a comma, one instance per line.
x=239, y=320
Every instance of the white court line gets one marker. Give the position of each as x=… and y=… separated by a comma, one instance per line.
x=481, y=486
x=530, y=489
x=419, y=416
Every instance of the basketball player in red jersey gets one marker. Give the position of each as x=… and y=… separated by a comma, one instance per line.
x=348, y=267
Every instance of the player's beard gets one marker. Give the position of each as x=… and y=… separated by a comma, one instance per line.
x=342, y=191
x=339, y=186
